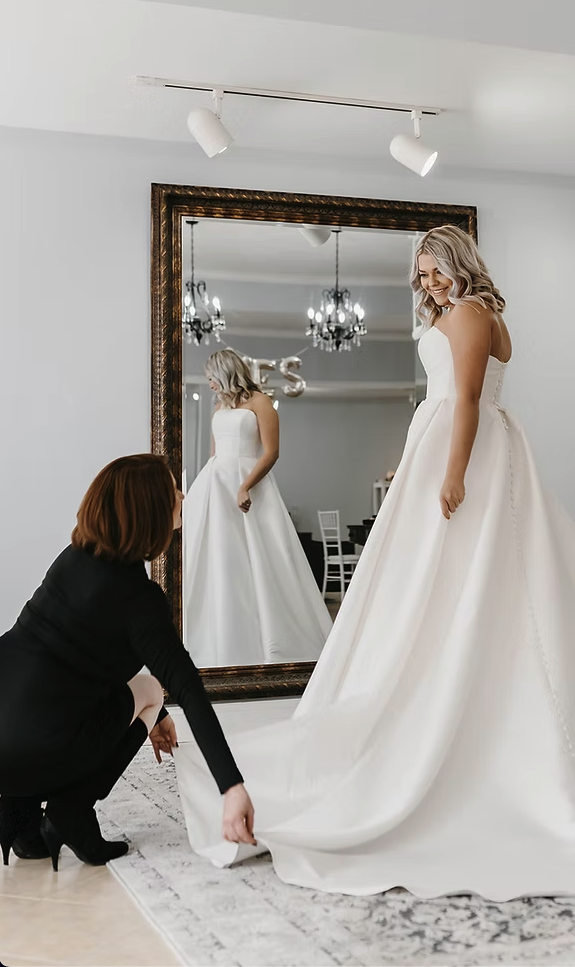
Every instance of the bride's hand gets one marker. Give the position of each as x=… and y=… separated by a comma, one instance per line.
x=451, y=496
x=244, y=501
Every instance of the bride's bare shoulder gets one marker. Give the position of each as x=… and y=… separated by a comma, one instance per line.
x=474, y=326
x=468, y=323
x=260, y=402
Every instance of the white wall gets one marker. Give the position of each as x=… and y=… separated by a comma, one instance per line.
x=74, y=310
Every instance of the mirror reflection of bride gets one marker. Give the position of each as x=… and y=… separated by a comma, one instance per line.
x=250, y=596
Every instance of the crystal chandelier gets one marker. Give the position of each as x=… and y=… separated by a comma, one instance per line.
x=338, y=323
x=201, y=316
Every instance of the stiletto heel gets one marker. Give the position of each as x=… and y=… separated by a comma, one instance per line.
x=8, y=827
x=53, y=841
x=6, y=844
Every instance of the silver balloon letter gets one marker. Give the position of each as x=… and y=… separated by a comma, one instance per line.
x=298, y=384
x=257, y=367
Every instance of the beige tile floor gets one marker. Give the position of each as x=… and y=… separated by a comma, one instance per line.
x=78, y=917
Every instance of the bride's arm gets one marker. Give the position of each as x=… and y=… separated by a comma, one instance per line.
x=469, y=332
x=268, y=425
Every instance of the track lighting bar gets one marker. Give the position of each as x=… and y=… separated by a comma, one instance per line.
x=286, y=95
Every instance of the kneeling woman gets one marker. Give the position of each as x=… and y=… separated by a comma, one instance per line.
x=73, y=709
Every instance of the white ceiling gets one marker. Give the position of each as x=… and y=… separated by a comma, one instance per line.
x=273, y=252
x=66, y=64
x=530, y=24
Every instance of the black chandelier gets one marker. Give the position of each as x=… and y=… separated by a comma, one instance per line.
x=201, y=316
x=338, y=323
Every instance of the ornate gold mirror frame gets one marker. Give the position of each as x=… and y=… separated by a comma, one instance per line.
x=170, y=204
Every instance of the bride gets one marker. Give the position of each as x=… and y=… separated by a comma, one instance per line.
x=249, y=593
x=434, y=746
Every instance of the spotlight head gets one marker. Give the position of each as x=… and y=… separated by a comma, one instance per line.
x=413, y=154
x=316, y=235
x=209, y=132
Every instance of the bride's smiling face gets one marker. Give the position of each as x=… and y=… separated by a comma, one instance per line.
x=213, y=384
x=433, y=281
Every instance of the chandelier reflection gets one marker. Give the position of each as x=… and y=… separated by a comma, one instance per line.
x=338, y=323
x=201, y=315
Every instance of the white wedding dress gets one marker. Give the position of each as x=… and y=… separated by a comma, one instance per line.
x=434, y=746
x=249, y=593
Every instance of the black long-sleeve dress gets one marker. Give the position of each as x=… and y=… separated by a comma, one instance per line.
x=64, y=701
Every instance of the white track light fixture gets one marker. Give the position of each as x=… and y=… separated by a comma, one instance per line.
x=212, y=136
x=411, y=152
x=207, y=128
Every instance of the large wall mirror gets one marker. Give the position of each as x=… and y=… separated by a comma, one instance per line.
x=262, y=262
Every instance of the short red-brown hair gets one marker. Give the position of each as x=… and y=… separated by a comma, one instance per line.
x=127, y=513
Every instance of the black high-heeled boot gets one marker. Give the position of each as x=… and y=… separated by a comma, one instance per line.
x=20, y=828
x=79, y=830
x=70, y=818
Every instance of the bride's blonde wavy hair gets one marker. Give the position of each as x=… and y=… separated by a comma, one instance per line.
x=232, y=374
x=458, y=258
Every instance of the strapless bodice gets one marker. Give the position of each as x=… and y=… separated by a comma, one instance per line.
x=236, y=433
x=435, y=354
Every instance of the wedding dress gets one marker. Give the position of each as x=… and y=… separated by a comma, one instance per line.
x=433, y=748
x=249, y=593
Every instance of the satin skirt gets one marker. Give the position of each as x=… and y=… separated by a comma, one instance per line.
x=249, y=593
x=434, y=746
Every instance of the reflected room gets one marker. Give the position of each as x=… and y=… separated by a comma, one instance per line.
x=323, y=316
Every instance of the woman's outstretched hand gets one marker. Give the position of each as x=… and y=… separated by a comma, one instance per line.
x=244, y=500
x=238, y=816
x=163, y=737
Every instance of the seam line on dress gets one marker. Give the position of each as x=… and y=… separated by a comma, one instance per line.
x=533, y=625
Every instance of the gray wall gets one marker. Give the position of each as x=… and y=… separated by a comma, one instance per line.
x=332, y=451
x=246, y=303
x=384, y=361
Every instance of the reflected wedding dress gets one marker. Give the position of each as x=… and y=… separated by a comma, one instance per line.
x=249, y=593
x=433, y=747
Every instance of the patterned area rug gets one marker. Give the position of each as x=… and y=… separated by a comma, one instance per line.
x=246, y=917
